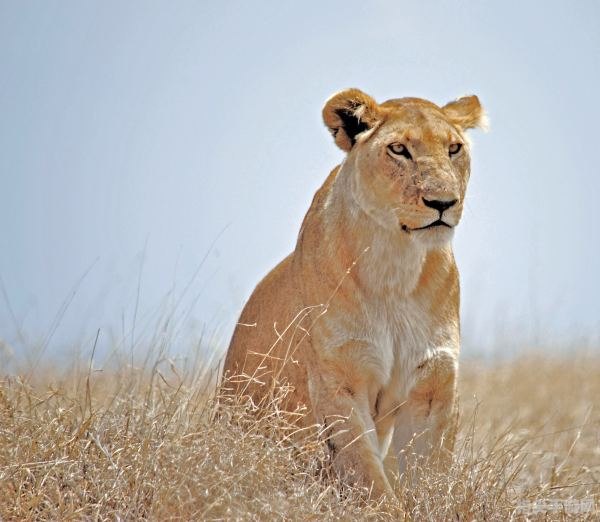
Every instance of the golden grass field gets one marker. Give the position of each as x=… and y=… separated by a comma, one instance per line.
x=150, y=444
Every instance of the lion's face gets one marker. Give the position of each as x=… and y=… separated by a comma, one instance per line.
x=408, y=160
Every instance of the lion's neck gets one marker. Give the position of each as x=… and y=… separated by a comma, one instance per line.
x=381, y=261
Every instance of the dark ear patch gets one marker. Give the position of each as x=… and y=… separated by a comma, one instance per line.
x=347, y=114
x=351, y=124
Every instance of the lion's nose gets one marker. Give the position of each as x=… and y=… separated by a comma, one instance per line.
x=438, y=204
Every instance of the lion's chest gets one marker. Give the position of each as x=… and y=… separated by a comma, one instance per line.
x=401, y=336
x=391, y=338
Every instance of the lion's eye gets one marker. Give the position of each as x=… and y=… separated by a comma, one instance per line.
x=399, y=150
x=454, y=148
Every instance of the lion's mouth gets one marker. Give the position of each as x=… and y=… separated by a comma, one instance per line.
x=436, y=223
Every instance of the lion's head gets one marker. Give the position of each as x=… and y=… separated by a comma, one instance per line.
x=407, y=159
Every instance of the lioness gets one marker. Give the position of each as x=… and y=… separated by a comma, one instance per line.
x=362, y=318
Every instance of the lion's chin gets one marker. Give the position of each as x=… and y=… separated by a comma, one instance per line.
x=432, y=237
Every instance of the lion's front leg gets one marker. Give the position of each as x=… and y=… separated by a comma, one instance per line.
x=342, y=406
x=426, y=424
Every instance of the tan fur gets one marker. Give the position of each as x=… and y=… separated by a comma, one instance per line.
x=362, y=318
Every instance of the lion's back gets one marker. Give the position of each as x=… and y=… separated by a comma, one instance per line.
x=265, y=342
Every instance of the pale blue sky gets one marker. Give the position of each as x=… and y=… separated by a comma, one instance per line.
x=135, y=131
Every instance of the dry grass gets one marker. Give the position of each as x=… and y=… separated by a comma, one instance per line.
x=150, y=445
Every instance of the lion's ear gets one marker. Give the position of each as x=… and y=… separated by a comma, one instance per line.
x=466, y=113
x=347, y=114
